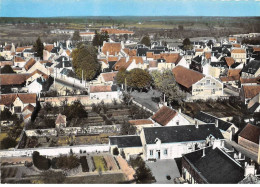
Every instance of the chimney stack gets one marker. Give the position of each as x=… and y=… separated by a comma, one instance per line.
x=196, y=124
x=216, y=123
x=179, y=110
x=203, y=153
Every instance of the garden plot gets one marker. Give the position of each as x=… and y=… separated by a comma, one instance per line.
x=100, y=163
x=111, y=164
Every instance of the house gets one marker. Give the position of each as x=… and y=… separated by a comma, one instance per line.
x=206, y=87
x=230, y=61
x=232, y=40
x=17, y=102
x=129, y=145
x=174, y=141
x=47, y=51
x=249, y=137
x=239, y=55
x=107, y=78
x=166, y=116
x=211, y=166
x=186, y=77
x=107, y=92
x=19, y=61
x=247, y=92
x=111, y=49
x=227, y=129
x=251, y=70
x=141, y=123
x=8, y=51
x=10, y=82
x=87, y=36
x=254, y=104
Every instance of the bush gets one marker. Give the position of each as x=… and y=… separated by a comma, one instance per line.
x=67, y=162
x=115, y=151
x=41, y=162
x=7, y=143
x=84, y=164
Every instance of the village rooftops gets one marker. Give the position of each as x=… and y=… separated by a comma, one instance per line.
x=230, y=61
x=207, y=118
x=29, y=64
x=7, y=99
x=13, y=79
x=111, y=48
x=250, y=91
x=251, y=133
x=110, y=76
x=182, y=133
x=164, y=115
x=116, y=31
x=238, y=50
x=186, y=77
x=252, y=67
x=108, y=88
x=215, y=166
x=126, y=141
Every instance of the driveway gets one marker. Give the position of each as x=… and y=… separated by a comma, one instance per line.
x=162, y=168
x=145, y=99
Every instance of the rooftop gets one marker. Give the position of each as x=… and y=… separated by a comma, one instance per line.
x=126, y=141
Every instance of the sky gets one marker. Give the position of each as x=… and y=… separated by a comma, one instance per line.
x=58, y=8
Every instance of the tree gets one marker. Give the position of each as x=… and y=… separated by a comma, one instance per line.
x=41, y=162
x=99, y=38
x=146, y=41
x=126, y=37
x=166, y=83
x=7, y=115
x=38, y=48
x=7, y=69
x=180, y=27
x=76, y=36
x=76, y=110
x=95, y=41
x=186, y=44
x=52, y=177
x=121, y=76
x=210, y=43
x=67, y=162
x=115, y=151
x=7, y=143
x=85, y=61
x=139, y=78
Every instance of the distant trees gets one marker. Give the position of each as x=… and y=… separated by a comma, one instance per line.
x=76, y=36
x=99, y=38
x=85, y=61
x=38, y=48
x=7, y=69
x=186, y=44
x=146, y=41
x=166, y=83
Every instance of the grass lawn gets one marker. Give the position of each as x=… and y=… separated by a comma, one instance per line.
x=99, y=163
x=96, y=179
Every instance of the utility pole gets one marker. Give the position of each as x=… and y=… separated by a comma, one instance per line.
x=125, y=85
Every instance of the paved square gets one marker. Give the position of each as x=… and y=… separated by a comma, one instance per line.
x=162, y=168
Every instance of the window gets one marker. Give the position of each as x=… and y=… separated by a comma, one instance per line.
x=165, y=152
x=207, y=82
x=213, y=91
x=17, y=109
x=151, y=152
x=177, y=122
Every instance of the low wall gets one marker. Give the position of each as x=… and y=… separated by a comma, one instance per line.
x=55, y=151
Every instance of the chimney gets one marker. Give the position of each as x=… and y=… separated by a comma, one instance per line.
x=179, y=110
x=249, y=169
x=203, y=153
x=196, y=124
x=216, y=123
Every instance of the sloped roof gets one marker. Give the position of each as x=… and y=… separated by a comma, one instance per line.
x=141, y=122
x=8, y=47
x=227, y=79
x=29, y=107
x=109, y=76
x=256, y=49
x=125, y=141
x=13, y=79
x=238, y=50
x=120, y=63
x=252, y=67
x=186, y=77
x=251, y=91
x=181, y=133
x=236, y=45
x=233, y=72
x=60, y=119
x=48, y=47
x=230, y=61
x=207, y=55
x=7, y=99
x=112, y=48
x=130, y=52
x=18, y=59
x=216, y=167
x=138, y=59
x=45, y=76
x=164, y=115
x=250, y=80
x=251, y=133
x=29, y=64
x=108, y=88
x=199, y=50
x=112, y=58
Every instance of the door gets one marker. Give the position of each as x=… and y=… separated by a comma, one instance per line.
x=158, y=154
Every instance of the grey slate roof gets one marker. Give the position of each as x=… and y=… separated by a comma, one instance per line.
x=216, y=167
x=182, y=133
x=252, y=67
x=207, y=118
x=125, y=141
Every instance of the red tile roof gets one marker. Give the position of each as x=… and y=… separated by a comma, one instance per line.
x=251, y=133
x=186, y=77
x=120, y=64
x=7, y=99
x=256, y=49
x=109, y=76
x=236, y=45
x=116, y=31
x=112, y=58
x=207, y=55
x=48, y=47
x=251, y=91
x=8, y=47
x=21, y=49
x=3, y=63
x=238, y=50
x=29, y=107
x=250, y=80
x=130, y=52
x=112, y=48
x=18, y=59
x=141, y=122
x=233, y=72
x=13, y=79
x=95, y=89
x=45, y=76
x=164, y=115
x=229, y=61
x=68, y=52
x=29, y=64
x=199, y=50
x=227, y=79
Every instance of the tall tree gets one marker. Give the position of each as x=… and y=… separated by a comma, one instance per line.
x=7, y=69
x=139, y=78
x=38, y=48
x=104, y=37
x=186, y=44
x=121, y=76
x=165, y=82
x=146, y=41
x=76, y=36
x=95, y=41
x=210, y=43
x=85, y=60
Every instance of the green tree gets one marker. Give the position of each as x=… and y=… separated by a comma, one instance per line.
x=146, y=41
x=38, y=48
x=121, y=76
x=104, y=37
x=186, y=44
x=67, y=162
x=210, y=43
x=76, y=110
x=7, y=143
x=7, y=69
x=76, y=36
x=7, y=115
x=95, y=41
x=41, y=162
x=127, y=129
x=115, y=151
x=85, y=60
x=139, y=78
x=166, y=83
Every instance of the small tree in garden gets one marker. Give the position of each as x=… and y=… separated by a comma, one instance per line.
x=115, y=151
